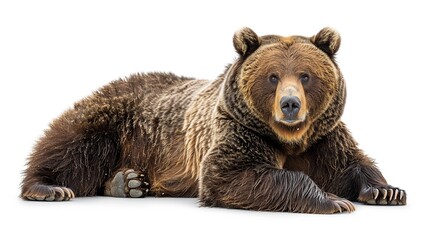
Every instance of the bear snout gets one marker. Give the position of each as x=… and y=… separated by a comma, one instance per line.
x=290, y=106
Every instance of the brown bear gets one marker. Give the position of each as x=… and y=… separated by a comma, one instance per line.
x=265, y=135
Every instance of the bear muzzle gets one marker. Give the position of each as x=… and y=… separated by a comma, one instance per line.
x=290, y=106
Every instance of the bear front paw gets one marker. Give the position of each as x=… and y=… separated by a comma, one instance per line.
x=340, y=204
x=386, y=195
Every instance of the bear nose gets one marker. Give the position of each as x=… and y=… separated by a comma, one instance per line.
x=290, y=106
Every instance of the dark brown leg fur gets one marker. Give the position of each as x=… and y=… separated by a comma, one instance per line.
x=271, y=190
x=365, y=183
x=70, y=160
x=374, y=190
x=362, y=181
x=241, y=172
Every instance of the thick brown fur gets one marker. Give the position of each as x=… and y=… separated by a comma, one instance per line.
x=226, y=141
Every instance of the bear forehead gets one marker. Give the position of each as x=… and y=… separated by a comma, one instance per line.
x=286, y=50
x=290, y=52
x=289, y=55
x=288, y=40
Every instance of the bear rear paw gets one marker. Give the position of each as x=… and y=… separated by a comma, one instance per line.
x=127, y=183
x=40, y=192
x=386, y=195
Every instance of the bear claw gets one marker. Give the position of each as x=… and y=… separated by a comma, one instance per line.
x=40, y=192
x=341, y=204
x=387, y=195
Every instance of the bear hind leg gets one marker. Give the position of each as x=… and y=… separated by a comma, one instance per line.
x=127, y=183
x=63, y=166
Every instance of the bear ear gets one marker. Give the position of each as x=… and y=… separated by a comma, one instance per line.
x=246, y=41
x=327, y=40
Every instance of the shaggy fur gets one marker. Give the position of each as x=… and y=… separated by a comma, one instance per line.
x=225, y=140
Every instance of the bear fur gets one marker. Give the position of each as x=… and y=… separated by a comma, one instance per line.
x=265, y=135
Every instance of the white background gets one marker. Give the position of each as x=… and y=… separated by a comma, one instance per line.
x=53, y=53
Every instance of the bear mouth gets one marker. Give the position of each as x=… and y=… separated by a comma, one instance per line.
x=291, y=122
x=291, y=125
x=290, y=130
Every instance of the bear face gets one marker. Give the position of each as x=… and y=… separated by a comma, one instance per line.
x=290, y=82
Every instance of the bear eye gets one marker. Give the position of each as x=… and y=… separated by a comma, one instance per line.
x=273, y=78
x=304, y=78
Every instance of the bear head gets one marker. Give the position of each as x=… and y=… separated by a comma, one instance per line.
x=291, y=86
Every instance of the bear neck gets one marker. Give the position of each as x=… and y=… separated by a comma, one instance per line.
x=232, y=103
